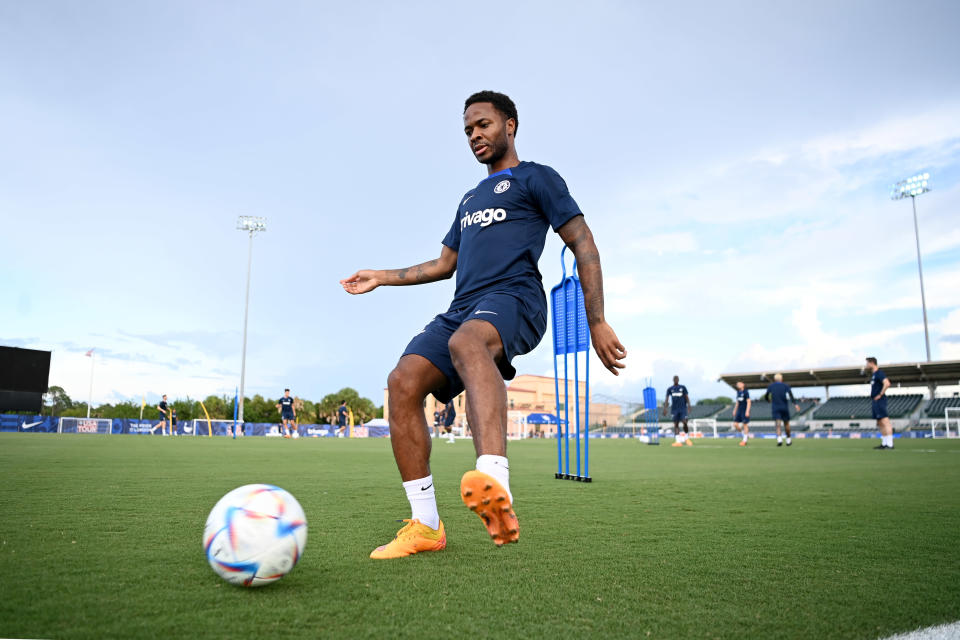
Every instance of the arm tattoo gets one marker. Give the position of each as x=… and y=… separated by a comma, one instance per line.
x=402, y=273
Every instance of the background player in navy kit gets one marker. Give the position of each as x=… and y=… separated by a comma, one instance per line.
x=879, y=383
x=162, y=408
x=342, y=415
x=449, y=415
x=741, y=412
x=288, y=414
x=679, y=402
x=777, y=394
x=499, y=311
x=173, y=423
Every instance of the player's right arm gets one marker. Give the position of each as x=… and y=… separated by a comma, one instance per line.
x=749, y=402
x=367, y=280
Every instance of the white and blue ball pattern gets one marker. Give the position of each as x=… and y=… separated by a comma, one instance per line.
x=254, y=535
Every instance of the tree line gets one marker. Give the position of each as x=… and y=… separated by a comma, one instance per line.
x=255, y=409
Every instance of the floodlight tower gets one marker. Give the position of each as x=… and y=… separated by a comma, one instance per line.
x=250, y=224
x=911, y=188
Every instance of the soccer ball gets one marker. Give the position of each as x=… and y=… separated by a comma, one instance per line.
x=254, y=535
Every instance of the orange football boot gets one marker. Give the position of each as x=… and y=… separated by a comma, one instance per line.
x=413, y=538
x=486, y=497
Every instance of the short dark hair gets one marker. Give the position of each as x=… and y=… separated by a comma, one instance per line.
x=872, y=360
x=500, y=101
x=285, y=390
x=343, y=402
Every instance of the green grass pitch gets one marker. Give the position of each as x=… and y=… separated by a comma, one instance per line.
x=101, y=537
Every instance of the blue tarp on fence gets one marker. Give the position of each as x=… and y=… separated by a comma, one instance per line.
x=47, y=424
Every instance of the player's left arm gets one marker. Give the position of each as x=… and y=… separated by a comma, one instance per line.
x=577, y=236
x=749, y=402
x=796, y=405
x=883, y=391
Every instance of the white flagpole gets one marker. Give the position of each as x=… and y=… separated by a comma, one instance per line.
x=90, y=396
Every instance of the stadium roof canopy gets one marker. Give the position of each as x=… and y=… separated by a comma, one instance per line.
x=908, y=374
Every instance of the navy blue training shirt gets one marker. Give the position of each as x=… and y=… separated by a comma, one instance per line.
x=876, y=383
x=286, y=405
x=500, y=229
x=778, y=392
x=676, y=394
x=742, y=397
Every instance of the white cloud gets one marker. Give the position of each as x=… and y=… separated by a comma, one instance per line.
x=660, y=243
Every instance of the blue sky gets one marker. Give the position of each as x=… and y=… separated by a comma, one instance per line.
x=733, y=159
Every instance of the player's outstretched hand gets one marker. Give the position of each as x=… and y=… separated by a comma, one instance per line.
x=608, y=347
x=362, y=281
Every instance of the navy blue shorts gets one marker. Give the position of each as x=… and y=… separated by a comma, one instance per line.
x=679, y=416
x=162, y=418
x=782, y=414
x=287, y=416
x=880, y=409
x=741, y=418
x=521, y=327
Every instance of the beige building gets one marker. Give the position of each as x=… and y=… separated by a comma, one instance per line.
x=528, y=394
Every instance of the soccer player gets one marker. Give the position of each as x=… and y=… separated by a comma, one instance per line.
x=741, y=412
x=288, y=414
x=162, y=408
x=879, y=383
x=342, y=414
x=777, y=394
x=679, y=401
x=449, y=415
x=173, y=423
x=437, y=422
x=499, y=311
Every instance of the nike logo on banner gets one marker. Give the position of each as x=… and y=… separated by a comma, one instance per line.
x=426, y=487
x=476, y=313
x=31, y=425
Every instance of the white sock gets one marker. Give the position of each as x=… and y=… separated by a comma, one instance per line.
x=744, y=437
x=888, y=440
x=423, y=501
x=788, y=439
x=498, y=467
x=779, y=438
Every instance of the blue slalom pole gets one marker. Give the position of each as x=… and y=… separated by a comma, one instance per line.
x=576, y=365
x=586, y=415
x=556, y=395
x=566, y=407
x=236, y=396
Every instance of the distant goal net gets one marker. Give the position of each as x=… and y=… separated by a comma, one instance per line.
x=704, y=426
x=951, y=418
x=85, y=425
x=200, y=427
